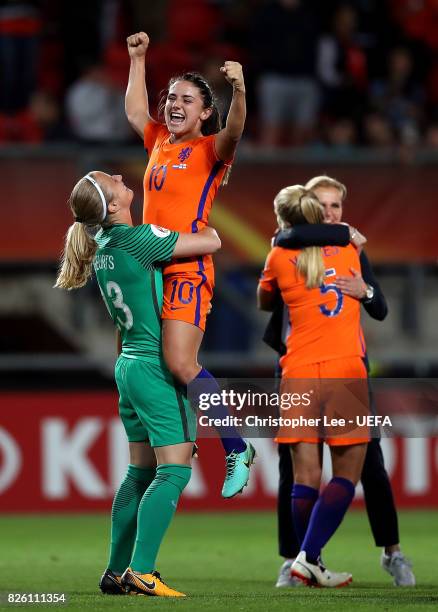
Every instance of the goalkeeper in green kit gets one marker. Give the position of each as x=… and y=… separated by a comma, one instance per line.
x=160, y=423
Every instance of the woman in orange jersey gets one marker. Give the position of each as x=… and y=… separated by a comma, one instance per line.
x=325, y=342
x=189, y=156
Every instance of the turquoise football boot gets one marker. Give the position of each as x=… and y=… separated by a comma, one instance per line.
x=238, y=466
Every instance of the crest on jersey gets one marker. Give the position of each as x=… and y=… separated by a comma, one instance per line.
x=160, y=232
x=184, y=154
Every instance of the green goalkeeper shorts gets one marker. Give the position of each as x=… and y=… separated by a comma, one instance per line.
x=151, y=405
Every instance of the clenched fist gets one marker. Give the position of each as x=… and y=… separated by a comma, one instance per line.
x=234, y=74
x=137, y=44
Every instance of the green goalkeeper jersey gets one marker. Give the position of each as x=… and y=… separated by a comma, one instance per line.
x=130, y=280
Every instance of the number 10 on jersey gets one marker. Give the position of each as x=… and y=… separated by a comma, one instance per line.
x=157, y=177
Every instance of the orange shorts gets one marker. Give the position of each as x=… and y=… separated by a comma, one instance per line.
x=338, y=389
x=187, y=296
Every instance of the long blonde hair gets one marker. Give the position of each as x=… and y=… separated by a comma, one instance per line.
x=296, y=205
x=80, y=246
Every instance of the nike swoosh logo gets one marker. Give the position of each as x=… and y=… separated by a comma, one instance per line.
x=148, y=585
x=176, y=307
x=247, y=463
x=308, y=570
x=173, y=502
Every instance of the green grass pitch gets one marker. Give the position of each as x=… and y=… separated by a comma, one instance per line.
x=222, y=561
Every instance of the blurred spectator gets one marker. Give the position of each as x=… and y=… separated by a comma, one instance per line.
x=39, y=122
x=95, y=106
x=47, y=114
x=283, y=46
x=336, y=136
x=419, y=19
x=342, y=65
x=399, y=97
x=20, y=28
x=342, y=134
x=378, y=132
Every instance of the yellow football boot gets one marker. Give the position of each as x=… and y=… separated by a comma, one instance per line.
x=147, y=584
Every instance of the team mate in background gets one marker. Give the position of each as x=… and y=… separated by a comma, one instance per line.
x=324, y=343
x=159, y=422
x=189, y=157
x=378, y=495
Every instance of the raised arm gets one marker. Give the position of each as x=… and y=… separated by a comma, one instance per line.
x=203, y=242
x=227, y=139
x=136, y=99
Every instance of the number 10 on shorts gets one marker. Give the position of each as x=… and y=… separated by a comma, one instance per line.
x=182, y=291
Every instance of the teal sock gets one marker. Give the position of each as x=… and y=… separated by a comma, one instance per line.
x=124, y=516
x=155, y=513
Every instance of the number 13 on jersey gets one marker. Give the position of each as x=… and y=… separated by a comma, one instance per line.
x=123, y=315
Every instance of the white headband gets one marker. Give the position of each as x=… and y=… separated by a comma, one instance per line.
x=102, y=197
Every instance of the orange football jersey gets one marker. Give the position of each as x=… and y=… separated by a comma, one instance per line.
x=180, y=183
x=325, y=324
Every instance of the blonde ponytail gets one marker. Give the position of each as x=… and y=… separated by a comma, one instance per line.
x=296, y=205
x=77, y=258
x=88, y=203
x=310, y=263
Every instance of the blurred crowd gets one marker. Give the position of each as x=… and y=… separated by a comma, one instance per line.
x=320, y=73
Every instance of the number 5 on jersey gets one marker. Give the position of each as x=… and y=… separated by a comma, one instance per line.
x=331, y=312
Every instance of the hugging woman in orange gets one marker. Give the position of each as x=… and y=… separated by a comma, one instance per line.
x=325, y=342
x=189, y=157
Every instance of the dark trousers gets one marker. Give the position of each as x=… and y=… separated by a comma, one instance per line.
x=379, y=500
